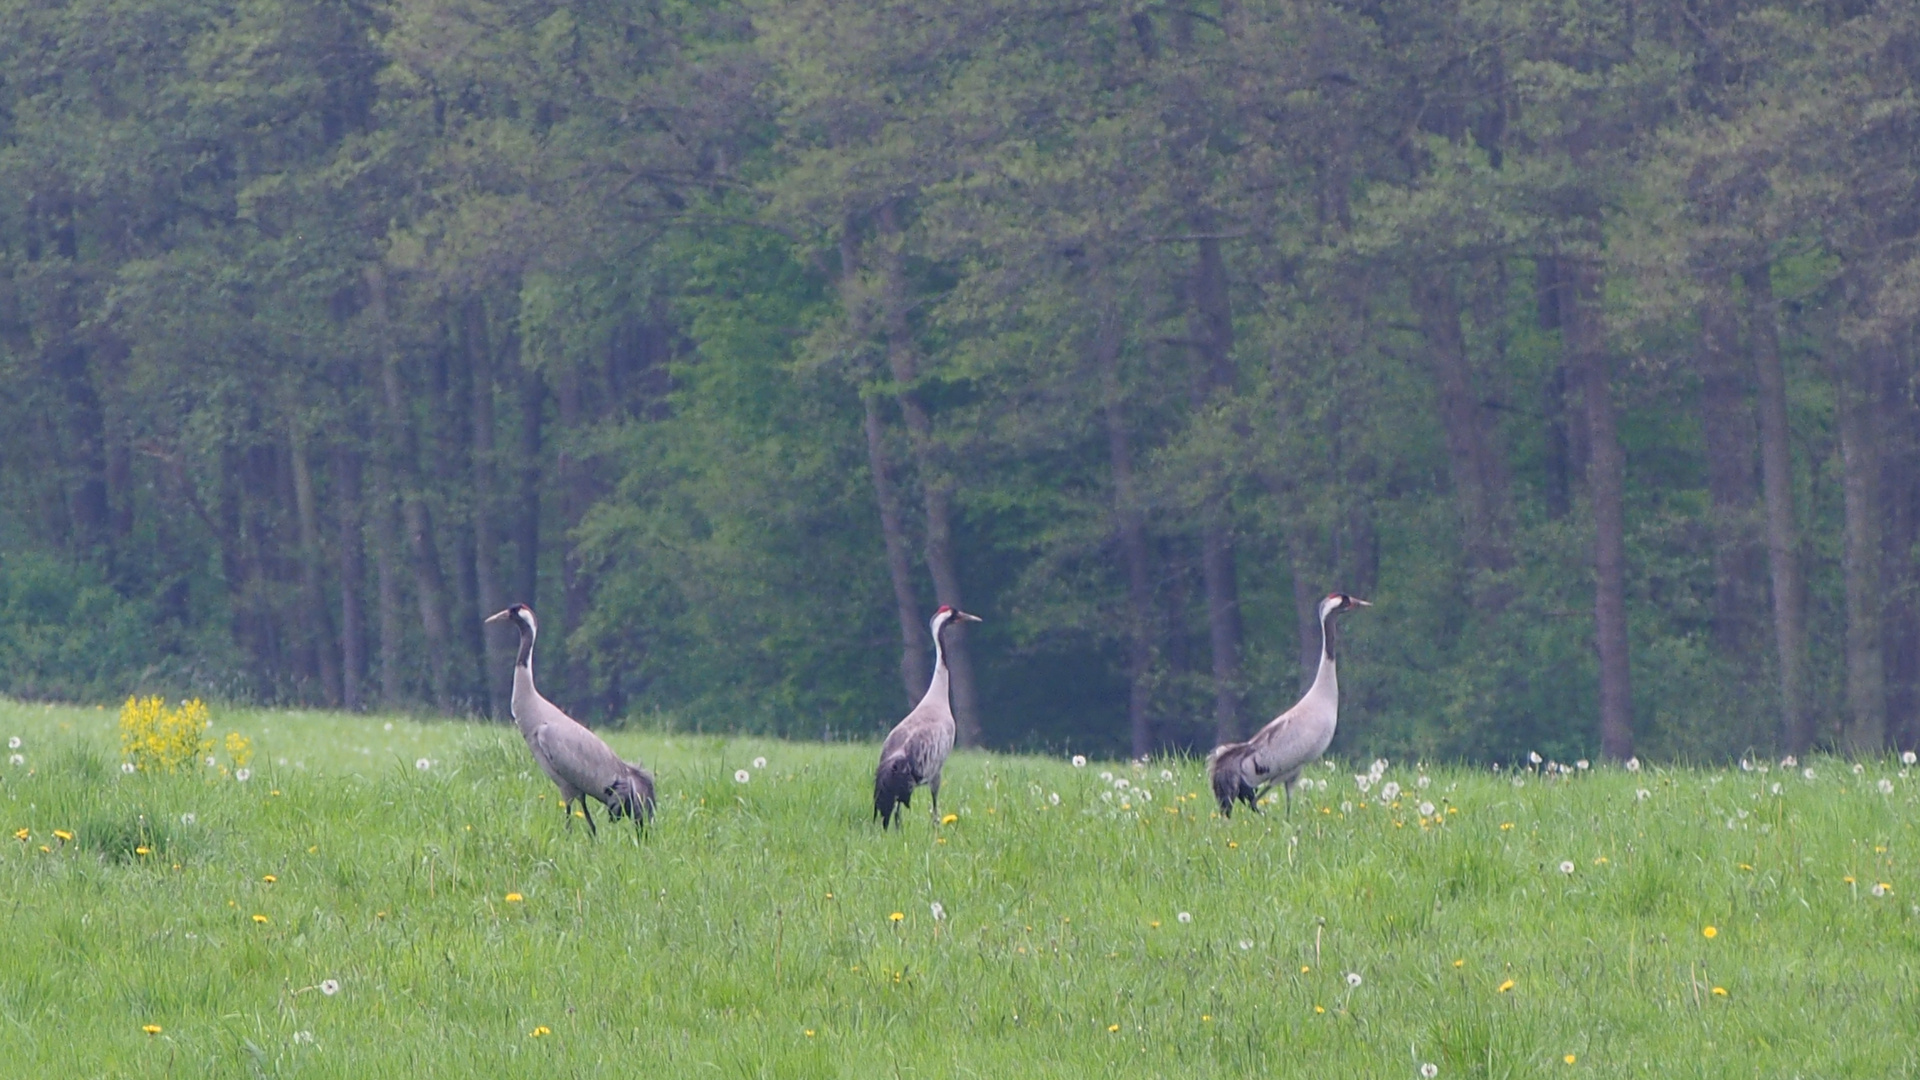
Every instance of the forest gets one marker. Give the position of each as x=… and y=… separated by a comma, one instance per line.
x=735, y=335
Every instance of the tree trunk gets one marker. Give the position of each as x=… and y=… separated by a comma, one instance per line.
x=1606, y=488
x=936, y=483
x=915, y=664
x=1776, y=474
x=1130, y=527
x=576, y=495
x=351, y=550
x=317, y=622
x=1900, y=484
x=1727, y=424
x=382, y=515
x=1482, y=488
x=498, y=673
x=526, y=521
x=403, y=446
x=1865, y=731
x=1558, y=463
x=1210, y=325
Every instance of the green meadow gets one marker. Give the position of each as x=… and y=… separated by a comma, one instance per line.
x=392, y=897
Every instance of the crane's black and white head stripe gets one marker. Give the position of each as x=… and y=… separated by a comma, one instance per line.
x=947, y=616
x=1338, y=602
x=521, y=616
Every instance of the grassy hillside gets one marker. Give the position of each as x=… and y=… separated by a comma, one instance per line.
x=764, y=928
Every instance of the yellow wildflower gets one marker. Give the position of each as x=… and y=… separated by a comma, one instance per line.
x=1719, y=991
x=143, y=850
x=63, y=835
x=21, y=834
x=259, y=918
x=1233, y=843
x=809, y=1033
x=1505, y=826
x=1111, y=1028
x=514, y=898
x=1304, y=969
x=896, y=916
x=1569, y=1059
x=1505, y=986
x=1709, y=933
x=949, y=819
x=1459, y=963
x=151, y=1029
x=269, y=879
x=1206, y=1018
x=1319, y=1008
x=540, y=1031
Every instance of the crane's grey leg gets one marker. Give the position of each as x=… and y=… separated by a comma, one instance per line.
x=934, y=787
x=592, y=830
x=566, y=811
x=1288, y=788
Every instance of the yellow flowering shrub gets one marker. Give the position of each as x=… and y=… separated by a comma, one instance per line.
x=239, y=748
x=158, y=739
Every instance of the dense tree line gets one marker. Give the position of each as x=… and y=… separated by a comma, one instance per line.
x=734, y=337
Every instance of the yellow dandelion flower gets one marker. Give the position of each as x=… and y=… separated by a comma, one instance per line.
x=1506, y=825
x=1111, y=1028
x=1601, y=861
x=63, y=835
x=949, y=819
x=260, y=918
x=1745, y=866
x=1504, y=987
x=151, y=1029
x=896, y=916
x=1459, y=963
x=1304, y=969
x=21, y=834
x=1848, y=879
x=1719, y=991
x=1709, y=932
x=939, y=839
x=44, y=848
x=1453, y=809
x=268, y=878
x=1155, y=924
x=1233, y=843
x=829, y=896
x=143, y=850
x=809, y=1033
x=1206, y=1018
x=514, y=898
x=1569, y=1059
x=1319, y=1008
x=540, y=1032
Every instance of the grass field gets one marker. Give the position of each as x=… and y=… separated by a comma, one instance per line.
x=765, y=928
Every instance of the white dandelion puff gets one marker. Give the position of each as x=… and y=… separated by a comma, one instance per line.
x=939, y=911
x=17, y=759
x=1363, y=783
x=330, y=987
x=1354, y=980
x=127, y=767
x=1533, y=757
x=13, y=743
x=1643, y=794
x=1858, y=768
x=1909, y=758
x=1166, y=776
x=1079, y=761
x=741, y=776
x=1879, y=889
x=1106, y=776
x=1807, y=772
x=1429, y=1070
x=1423, y=781
x=1185, y=917
x=1566, y=866
x=1745, y=765
x=1346, y=808
x=1378, y=768
x=1426, y=809
x=1390, y=792
x=423, y=764
x=187, y=818
x=1517, y=782
x=388, y=726
x=1583, y=764
x=1245, y=944
x=1886, y=786
x=1775, y=789
x=211, y=762
x=1789, y=762
x=1053, y=798
x=303, y=1036
x=243, y=775
x=1633, y=764
x=759, y=763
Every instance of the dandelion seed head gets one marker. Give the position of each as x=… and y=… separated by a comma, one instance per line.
x=1245, y=944
x=1633, y=764
x=1807, y=773
x=1390, y=792
x=1079, y=761
x=1122, y=784
x=13, y=743
x=759, y=763
x=1882, y=889
x=1429, y=1070
x=303, y=1037
x=1533, y=757
x=1426, y=809
x=243, y=775
x=1643, y=794
x=1566, y=867
x=1775, y=789
x=1789, y=762
x=1106, y=776
x=1583, y=764
x=741, y=776
x=211, y=761
x=1053, y=798
x=17, y=759
x=127, y=767
x=1166, y=776
x=423, y=764
x=1908, y=757
x=329, y=987
x=1423, y=781
x=1886, y=786
x=1185, y=916
x=1354, y=980
x=1858, y=768
x=939, y=911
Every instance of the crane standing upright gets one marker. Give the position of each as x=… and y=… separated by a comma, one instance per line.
x=917, y=747
x=575, y=759
x=1276, y=753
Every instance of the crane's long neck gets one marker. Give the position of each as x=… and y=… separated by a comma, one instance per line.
x=523, y=692
x=1326, y=681
x=937, y=689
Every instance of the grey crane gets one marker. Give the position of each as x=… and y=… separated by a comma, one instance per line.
x=1278, y=752
x=917, y=747
x=575, y=759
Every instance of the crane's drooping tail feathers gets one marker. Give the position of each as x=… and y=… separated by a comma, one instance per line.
x=1229, y=783
x=892, y=788
x=631, y=794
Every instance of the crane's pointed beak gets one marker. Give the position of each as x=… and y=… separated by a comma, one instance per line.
x=968, y=617
x=1360, y=602
x=498, y=616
